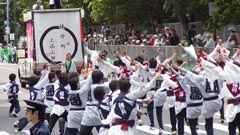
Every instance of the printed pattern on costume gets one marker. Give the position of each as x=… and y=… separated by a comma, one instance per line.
x=13, y=90
x=195, y=93
x=49, y=92
x=75, y=99
x=124, y=106
x=215, y=88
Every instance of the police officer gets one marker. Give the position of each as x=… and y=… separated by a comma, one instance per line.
x=35, y=113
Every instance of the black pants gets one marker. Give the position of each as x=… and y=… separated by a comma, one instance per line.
x=53, y=119
x=222, y=110
x=14, y=58
x=173, y=119
x=14, y=105
x=22, y=123
x=87, y=130
x=9, y=58
x=151, y=113
x=180, y=118
x=209, y=126
x=159, y=116
x=193, y=123
x=234, y=124
x=47, y=116
x=71, y=131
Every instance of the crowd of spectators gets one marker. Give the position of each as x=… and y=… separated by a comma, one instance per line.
x=163, y=36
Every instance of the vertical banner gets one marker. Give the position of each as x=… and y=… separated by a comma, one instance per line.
x=81, y=31
x=29, y=31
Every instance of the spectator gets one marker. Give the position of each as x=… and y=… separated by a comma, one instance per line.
x=184, y=41
x=175, y=39
x=38, y=5
x=55, y=4
x=14, y=52
x=191, y=33
x=1, y=54
x=210, y=42
x=198, y=40
x=233, y=38
x=9, y=53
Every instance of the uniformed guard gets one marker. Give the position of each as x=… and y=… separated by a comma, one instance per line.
x=35, y=113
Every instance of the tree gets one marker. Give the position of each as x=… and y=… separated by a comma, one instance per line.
x=186, y=10
x=125, y=11
x=226, y=12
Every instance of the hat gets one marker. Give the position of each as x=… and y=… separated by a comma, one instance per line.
x=35, y=104
x=198, y=36
x=232, y=28
x=166, y=28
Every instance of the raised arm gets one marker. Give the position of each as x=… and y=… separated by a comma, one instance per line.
x=137, y=94
x=182, y=70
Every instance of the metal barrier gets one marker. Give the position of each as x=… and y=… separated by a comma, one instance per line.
x=152, y=52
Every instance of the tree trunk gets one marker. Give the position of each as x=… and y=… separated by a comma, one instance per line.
x=181, y=14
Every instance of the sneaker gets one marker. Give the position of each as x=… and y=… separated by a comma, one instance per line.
x=140, y=122
x=15, y=115
x=152, y=128
x=160, y=131
x=16, y=124
x=174, y=132
x=197, y=127
x=10, y=115
x=16, y=130
x=222, y=120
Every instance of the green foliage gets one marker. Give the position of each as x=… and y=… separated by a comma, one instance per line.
x=227, y=12
x=142, y=13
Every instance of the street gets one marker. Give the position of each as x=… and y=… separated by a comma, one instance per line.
x=6, y=123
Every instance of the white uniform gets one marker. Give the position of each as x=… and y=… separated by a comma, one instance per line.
x=193, y=99
x=231, y=90
x=60, y=109
x=91, y=114
x=200, y=81
x=130, y=98
x=36, y=92
x=108, y=68
x=50, y=89
x=77, y=99
x=93, y=56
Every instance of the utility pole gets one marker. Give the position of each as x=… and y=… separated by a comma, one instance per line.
x=6, y=22
x=15, y=22
x=7, y=27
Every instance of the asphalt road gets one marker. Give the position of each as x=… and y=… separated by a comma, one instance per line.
x=6, y=123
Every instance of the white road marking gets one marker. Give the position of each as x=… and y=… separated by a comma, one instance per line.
x=14, y=70
x=26, y=131
x=154, y=131
x=4, y=133
x=218, y=126
x=187, y=129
